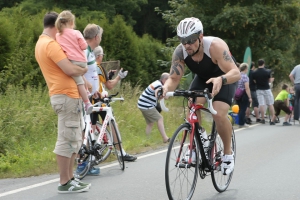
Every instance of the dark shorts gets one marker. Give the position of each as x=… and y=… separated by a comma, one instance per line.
x=254, y=99
x=95, y=115
x=225, y=94
x=280, y=105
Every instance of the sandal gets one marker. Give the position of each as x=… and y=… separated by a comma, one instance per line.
x=168, y=140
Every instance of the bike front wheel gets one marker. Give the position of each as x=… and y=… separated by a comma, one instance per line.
x=117, y=145
x=180, y=176
x=220, y=181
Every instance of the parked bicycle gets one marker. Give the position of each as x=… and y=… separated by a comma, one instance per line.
x=189, y=154
x=106, y=139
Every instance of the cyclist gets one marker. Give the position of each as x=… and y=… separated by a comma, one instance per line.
x=214, y=67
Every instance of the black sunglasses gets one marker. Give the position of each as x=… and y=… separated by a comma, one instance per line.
x=189, y=40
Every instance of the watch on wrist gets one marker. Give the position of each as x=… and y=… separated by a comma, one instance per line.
x=224, y=80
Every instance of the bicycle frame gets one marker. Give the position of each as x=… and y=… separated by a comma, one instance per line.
x=109, y=116
x=195, y=128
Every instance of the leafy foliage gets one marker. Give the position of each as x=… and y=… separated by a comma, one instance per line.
x=269, y=27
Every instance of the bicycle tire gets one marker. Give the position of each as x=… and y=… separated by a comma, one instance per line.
x=118, y=146
x=87, y=159
x=178, y=188
x=220, y=181
x=106, y=145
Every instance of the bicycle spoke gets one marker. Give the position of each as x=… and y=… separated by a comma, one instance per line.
x=181, y=177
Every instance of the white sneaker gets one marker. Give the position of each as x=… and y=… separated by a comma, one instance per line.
x=227, y=165
x=187, y=156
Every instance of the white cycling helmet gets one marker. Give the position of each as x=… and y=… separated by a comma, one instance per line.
x=189, y=26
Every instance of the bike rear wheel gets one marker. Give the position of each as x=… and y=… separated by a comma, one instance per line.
x=220, y=181
x=117, y=145
x=181, y=180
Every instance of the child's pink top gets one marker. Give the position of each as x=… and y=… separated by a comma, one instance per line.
x=73, y=44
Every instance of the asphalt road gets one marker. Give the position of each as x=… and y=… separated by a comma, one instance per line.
x=267, y=167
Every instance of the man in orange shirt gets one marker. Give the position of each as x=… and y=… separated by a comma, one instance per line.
x=65, y=100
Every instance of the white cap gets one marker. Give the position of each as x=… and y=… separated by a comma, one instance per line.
x=98, y=51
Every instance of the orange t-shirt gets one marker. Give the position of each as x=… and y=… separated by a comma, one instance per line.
x=48, y=53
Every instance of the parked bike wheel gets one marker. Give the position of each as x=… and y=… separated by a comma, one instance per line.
x=86, y=160
x=220, y=181
x=117, y=146
x=181, y=180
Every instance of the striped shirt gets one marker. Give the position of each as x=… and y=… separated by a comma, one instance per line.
x=147, y=100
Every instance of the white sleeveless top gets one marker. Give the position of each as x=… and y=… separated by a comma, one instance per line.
x=91, y=75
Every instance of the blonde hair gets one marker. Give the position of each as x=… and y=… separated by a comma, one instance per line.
x=64, y=18
x=243, y=66
x=91, y=31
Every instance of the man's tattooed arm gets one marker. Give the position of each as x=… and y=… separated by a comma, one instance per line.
x=177, y=67
x=227, y=56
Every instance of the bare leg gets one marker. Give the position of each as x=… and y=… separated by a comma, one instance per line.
x=256, y=112
x=272, y=111
x=248, y=112
x=161, y=128
x=223, y=125
x=149, y=128
x=64, y=166
x=262, y=111
x=287, y=117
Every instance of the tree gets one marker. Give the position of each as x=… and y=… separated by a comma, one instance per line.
x=268, y=27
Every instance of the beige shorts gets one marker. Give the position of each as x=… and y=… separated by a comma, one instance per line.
x=79, y=79
x=69, y=135
x=151, y=115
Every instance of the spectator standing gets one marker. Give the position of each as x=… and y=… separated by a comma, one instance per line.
x=147, y=104
x=244, y=101
x=65, y=100
x=106, y=81
x=295, y=78
x=262, y=78
x=73, y=44
x=254, y=104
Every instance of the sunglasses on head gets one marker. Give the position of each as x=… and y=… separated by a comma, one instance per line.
x=189, y=40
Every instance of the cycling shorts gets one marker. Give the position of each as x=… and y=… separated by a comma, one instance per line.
x=225, y=94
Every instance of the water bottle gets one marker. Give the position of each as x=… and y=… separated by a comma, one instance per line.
x=204, y=138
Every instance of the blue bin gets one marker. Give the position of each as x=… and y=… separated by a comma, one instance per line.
x=235, y=117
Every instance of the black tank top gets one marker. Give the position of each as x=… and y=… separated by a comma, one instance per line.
x=205, y=69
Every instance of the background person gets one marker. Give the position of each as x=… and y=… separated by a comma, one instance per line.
x=282, y=103
x=254, y=103
x=106, y=81
x=262, y=78
x=244, y=101
x=73, y=44
x=210, y=59
x=65, y=99
x=295, y=78
x=147, y=104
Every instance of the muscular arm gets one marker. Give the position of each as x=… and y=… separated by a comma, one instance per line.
x=176, y=71
x=71, y=69
x=221, y=55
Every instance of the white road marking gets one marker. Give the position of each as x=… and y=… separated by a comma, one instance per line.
x=103, y=167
